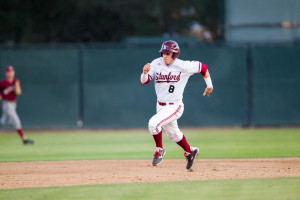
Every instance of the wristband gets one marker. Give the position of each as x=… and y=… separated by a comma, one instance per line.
x=144, y=77
x=208, y=82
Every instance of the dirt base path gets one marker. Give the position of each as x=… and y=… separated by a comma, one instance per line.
x=64, y=173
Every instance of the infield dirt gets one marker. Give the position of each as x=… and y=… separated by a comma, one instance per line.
x=82, y=172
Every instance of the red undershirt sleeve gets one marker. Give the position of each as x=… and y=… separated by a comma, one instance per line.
x=203, y=69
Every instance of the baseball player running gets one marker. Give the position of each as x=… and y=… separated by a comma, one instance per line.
x=171, y=75
x=9, y=89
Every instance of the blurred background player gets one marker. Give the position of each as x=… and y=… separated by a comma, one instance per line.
x=171, y=75
x=10, y=87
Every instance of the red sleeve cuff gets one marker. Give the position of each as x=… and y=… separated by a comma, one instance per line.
x=149, y=79
x=203, y=69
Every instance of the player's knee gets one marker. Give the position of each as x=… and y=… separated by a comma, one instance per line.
x=152, y=125
x=17, y=124
x=175, y=136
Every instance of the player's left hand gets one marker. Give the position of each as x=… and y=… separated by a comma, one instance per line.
x=17, y=83
x=17, y=88
x=207, y=91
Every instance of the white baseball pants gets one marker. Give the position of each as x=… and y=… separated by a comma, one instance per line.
x=9, y=115
x=166, y=118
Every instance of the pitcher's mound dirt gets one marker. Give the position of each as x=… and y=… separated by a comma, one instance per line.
x=63, y=173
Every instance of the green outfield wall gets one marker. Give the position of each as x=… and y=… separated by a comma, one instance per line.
x=276, y=85
x=49, y=79
x=101, y=86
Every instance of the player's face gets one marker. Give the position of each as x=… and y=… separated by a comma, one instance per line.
x=168, y=58
x=10, y=74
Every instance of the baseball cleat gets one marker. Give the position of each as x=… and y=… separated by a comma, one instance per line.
x=158, y=156
x=190, y=157
x=28, y=141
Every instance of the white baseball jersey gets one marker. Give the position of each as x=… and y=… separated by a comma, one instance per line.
x=170, y=80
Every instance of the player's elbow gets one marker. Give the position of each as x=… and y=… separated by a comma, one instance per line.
x=204, y=70
x=18, y=92
x=206, y=75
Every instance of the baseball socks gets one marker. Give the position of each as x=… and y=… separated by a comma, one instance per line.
x=158, y=140
x=20, y=132
x=185, y=145
x=22, y=135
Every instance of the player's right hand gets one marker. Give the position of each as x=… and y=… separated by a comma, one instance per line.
x=207, y=91
x=146, y=68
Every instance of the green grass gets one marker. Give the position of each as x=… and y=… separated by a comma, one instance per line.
x=239, y=189
x=236, y=143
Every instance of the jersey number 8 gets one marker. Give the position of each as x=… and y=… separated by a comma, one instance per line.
x=171, y=88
